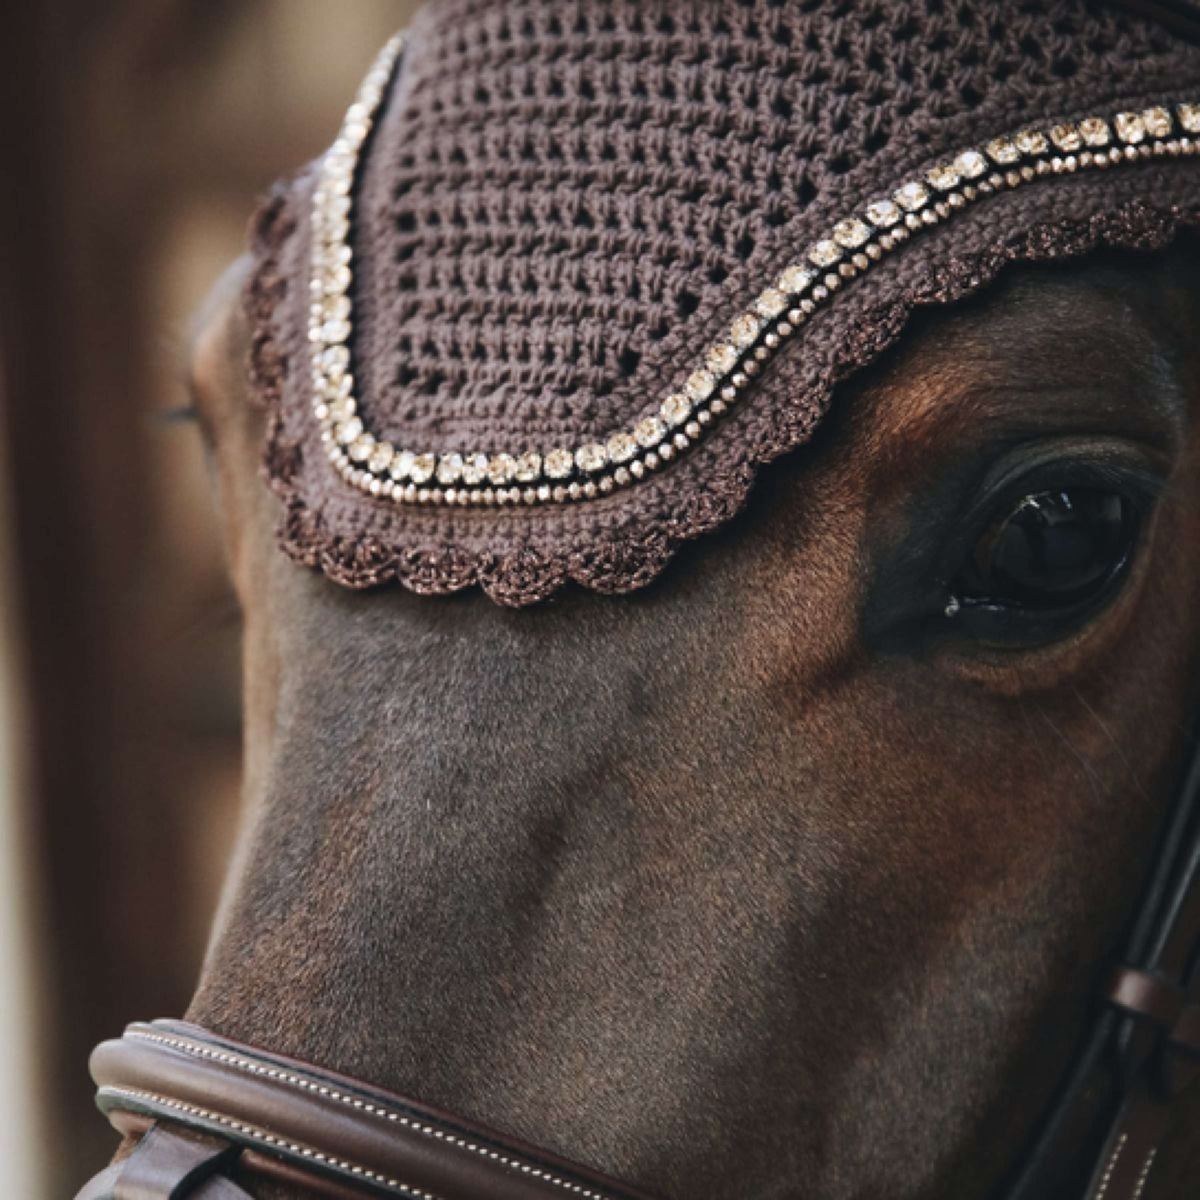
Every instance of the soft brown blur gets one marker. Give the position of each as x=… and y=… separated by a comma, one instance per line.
x=138, y=134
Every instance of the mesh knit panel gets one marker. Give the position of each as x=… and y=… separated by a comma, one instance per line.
x=564, y=204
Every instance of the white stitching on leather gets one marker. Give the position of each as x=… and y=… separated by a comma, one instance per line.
x=269, y=1139
x=234, y=1060
x=1112, y=1164
x=1145, y=1175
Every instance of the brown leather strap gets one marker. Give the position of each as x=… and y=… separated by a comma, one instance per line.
x=170, y=1164
x=1100, y=1139
x=327, y=1127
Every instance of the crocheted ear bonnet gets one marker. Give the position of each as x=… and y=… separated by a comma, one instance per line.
x=571, y=272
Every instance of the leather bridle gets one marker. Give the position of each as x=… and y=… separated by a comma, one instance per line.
x=212, y=1114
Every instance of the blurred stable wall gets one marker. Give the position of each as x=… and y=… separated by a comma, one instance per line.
x=137, y=134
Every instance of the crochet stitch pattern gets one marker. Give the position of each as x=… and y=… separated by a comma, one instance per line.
x=563, y=207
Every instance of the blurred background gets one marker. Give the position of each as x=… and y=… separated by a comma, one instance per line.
x=137, y=135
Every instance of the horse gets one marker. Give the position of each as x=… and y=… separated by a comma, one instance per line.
x=763, y=881
x=855, y=854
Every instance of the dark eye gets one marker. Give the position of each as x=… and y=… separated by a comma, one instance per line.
x=1051, y=551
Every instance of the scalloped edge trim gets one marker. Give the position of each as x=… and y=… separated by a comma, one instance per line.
x=629, y=557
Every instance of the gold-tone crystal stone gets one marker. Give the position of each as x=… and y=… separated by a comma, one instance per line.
x=850, y=233
x=341, y=409
x=337, y=308
x=944, y=178
x=1189, y=117
x=335, y=361
x=422, y=468
x=1067, y=138
x=336, y=281
x=1002, y=151
x=381, y=458
x=1130, y=127
x=591, y=458
x=401, y=465
x=771, y=303
x=700, y=385
x=529, y=466
x=1095, y=131
x=744, y=330
x=474, y=469
x=883, y=213
x=676, y=409
x=825, y=252
x=449, y=469
x=349, y=431
x=721, y=358
x=912, y=196
x=1031, y=141
x=559, y=464
x=649, y=431
x=621, y=447
x=794, y=279
x=1157, y=122
x=501, y=468
x=360, y=449
x=970, y=164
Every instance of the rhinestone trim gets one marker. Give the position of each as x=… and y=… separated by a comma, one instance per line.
x=565, y=474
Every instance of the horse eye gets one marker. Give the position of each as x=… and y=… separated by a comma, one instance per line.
x=1053, y=550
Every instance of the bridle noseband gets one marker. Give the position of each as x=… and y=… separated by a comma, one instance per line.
x=207, y=1108
x=209, y=1111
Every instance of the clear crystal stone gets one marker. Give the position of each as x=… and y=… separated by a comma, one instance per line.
x=422, y=469
x=529, y=466
x=970, y=164
x=474, y=469
x=825, y=252
x=501, y=468
x=381, y=458
x=591, y=458
x=744, y=330
x=621, y=447
x=649, y=431
x=349, y=431
x=851, y=233
x=721, y=358
x=559, y=464
x=883, y=213
x=675, y=409
x=1095, y=131
x=771, y=303
x=402, y=465
x=794, y=279
x=912, y=196
x=449, y=469
x=1130, y=127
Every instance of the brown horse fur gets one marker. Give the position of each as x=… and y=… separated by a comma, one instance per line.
x=727, y=887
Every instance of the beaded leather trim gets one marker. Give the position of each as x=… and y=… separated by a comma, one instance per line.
x=563, y=474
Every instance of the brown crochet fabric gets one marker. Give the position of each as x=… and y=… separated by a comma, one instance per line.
x=564, y=204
